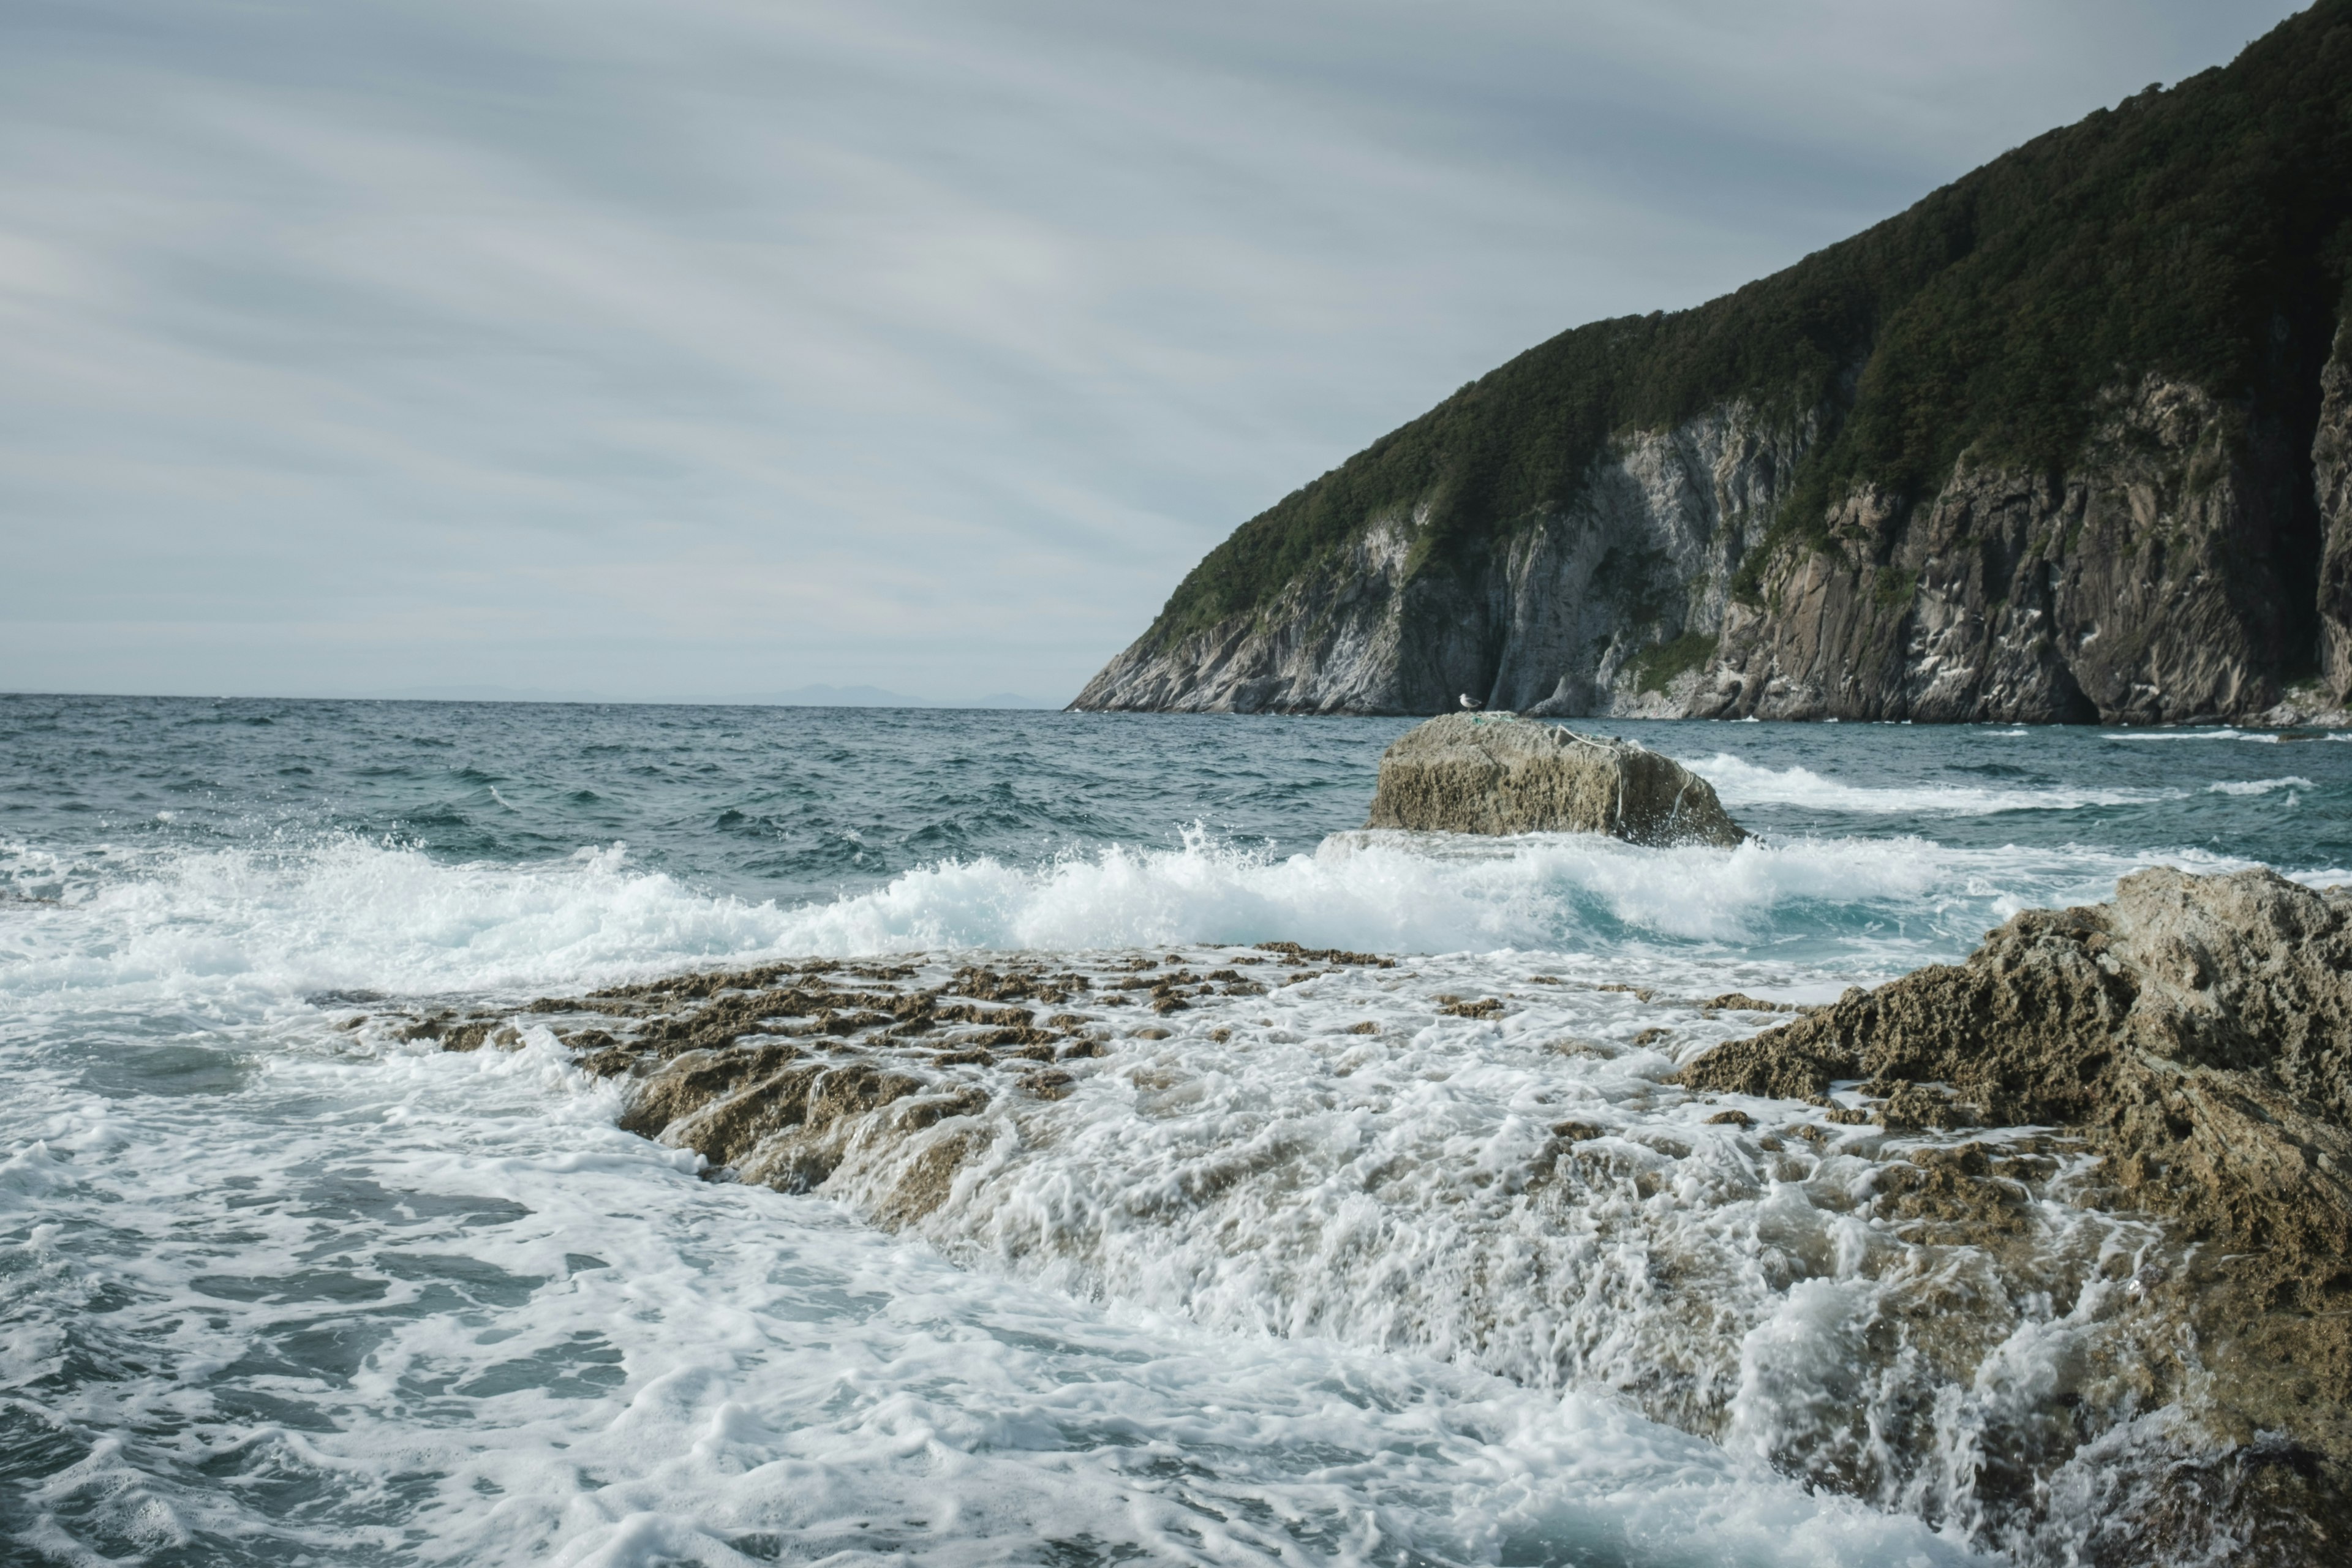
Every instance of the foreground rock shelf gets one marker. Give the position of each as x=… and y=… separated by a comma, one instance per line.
x=2197, y=1035
x=2072, y=1215
x=778, y=1074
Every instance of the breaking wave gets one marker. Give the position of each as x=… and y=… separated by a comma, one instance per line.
x=1741, y=783
x=342, y=912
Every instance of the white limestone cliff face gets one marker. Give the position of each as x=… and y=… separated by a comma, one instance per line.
x=1550, y=620
x=1646, y=557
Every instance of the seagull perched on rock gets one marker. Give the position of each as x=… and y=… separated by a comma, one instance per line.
x=1471, y=704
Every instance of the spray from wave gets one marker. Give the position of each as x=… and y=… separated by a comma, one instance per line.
x=2258, y=786
x=343, y=912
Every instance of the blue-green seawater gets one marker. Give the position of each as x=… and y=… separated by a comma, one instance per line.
x=270, y=1294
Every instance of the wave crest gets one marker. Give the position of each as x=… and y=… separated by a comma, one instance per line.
x=349, y=913
x=1738, y=783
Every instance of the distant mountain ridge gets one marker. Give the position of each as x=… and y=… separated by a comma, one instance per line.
x=2070, y=439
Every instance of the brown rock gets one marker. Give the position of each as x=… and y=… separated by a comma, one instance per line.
x=1740, y=1002
x=1497, y=772
x=2198, y=1033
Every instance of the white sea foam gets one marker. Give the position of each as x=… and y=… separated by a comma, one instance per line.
x=1367, y=891
x=452, y=1315
x=282, y=1290
x=1742, y=783
x=345, y=912
x=1324, y=1312
x=2258, y=786
x=210, y=926
x=2260, y=737
x=1343, y=1160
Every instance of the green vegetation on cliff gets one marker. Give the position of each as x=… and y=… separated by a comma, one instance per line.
x=2203, y=233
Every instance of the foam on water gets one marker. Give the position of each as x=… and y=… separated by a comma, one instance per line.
x=241, y=925
x=2260, y=737
x=443, y=1297
x=448, y=1314
x=1739, y=783
x=2258, y=786
x=340, y=912
x=1345, y=1159
x=272, y=1288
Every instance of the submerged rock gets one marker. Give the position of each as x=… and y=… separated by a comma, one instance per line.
x=1497, y=773
x=2197, y=1033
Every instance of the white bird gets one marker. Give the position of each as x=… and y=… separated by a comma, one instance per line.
x=1471, y=703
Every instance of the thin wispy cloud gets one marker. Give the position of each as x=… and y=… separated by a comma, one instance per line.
x=722, y=346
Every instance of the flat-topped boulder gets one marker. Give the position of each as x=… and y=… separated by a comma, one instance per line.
x=1497, y=773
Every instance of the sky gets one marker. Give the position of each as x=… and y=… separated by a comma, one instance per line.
x=713, y=348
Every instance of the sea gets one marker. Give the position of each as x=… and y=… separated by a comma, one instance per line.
x=278, y=1286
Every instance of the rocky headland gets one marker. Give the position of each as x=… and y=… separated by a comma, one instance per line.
x=2068, y=441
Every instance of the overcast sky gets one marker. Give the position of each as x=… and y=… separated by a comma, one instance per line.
x=710, y=347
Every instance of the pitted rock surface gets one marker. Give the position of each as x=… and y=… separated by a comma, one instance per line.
x=789, y=1073
x=2197, y=1032
x=1497, y=773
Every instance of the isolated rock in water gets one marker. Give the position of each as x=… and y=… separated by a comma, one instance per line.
x=1497, y=773
x=2197, y=1032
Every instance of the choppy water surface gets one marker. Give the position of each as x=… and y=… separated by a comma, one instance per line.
x=274, y=1290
